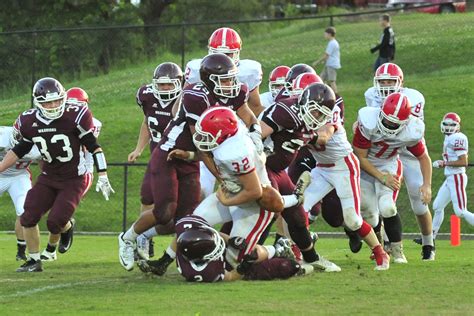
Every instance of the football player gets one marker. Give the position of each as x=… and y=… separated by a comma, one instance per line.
x=284, y=133
x=59, y=131
x=379, y=135
x=156, y=101
x=294, y=72
x=388, y=79
x=454, y=162
x=276, y=82
x=16, y=180
x=337, y=167
x=75, y=97
x=175, y=182
x=227, y=41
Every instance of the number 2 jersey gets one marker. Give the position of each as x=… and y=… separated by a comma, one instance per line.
x=59, y=140
x=454, y=145
x=6, y=143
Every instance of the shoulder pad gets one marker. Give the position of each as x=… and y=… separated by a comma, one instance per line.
x=415, y=129
x=191, y=73
x=368, y=117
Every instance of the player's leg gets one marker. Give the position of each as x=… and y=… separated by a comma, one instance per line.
x=37, y=202
x=458, y=197
x=207, y=180
x=441, y=201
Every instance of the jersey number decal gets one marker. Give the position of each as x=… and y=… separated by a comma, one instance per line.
x=241, y=167
x=459, y=144
x=417, y=108
x=384, y=148
x=43, y=147
x=152, y=126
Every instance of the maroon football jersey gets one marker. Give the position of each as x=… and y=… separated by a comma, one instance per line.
x=283, y=94
x=59, y=140
x=196, y=99
x=158, y=114
x=283, y=118
x=210, y=271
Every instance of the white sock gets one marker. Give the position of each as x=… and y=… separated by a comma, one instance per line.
x=271, y=251
x=170, y=252
x=150, y=233
x=35, y=256
x=289, y=200
x=130, y=234
x=427, y=240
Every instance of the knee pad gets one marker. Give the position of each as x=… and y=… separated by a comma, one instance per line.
x=387, y=206
x=371, y=218
x=352, y=220
x=417, y=205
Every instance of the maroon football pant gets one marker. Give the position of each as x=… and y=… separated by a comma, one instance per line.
x=275, y=268
x=146, y=193
x=60, y=197
x=175, y=186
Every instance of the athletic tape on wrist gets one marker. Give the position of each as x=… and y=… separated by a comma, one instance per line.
x=100, y=162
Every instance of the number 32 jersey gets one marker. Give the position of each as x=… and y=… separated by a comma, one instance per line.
x=59, y=140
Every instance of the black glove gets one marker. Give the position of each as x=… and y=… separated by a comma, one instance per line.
x=247, y=262
x=238, y=243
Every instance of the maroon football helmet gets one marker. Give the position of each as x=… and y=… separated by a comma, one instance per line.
x=47, y=90
x=294, y=72
x=201, y=244
x=219, y=73
x=167, y=73
x=316, y=105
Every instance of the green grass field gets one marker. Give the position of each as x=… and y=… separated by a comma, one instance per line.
x=433, y=50
x=90, y=280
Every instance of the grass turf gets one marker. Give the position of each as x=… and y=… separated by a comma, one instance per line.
x=90, y=280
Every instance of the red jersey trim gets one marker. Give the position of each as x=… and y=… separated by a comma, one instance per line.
x=360, y=141
x=417, y=150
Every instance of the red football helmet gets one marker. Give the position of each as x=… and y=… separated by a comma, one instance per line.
x=276, y=81
x=226, y=41
x=77, y=96
x=213, y=127
x=394, y=115
x=302, y=81
x=451, y=123
x=388, y=71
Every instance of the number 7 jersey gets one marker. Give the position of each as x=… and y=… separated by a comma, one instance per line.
x=59, y=140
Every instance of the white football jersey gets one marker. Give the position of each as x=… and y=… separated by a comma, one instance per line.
x=21, y=166
x=266, y=99
x=454, y=145
x=237, y=156
x=417, y=100
x=87, y=155
x=337, y=147
x=250, y=72
x=385, y=148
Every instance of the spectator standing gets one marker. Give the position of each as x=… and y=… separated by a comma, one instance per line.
x=386, y=47
x=331, y=57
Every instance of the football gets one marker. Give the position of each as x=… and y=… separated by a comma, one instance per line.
x=271, y=200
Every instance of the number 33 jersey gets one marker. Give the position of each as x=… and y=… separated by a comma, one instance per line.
x=238, y=156
x=59, y=140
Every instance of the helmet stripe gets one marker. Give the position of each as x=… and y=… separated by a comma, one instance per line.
x=385, y=69
x=399, y=104
x=224, y=36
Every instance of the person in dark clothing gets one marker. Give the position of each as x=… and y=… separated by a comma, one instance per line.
x=386, y=47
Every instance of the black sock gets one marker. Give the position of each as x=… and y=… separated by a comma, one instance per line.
x=393, y=228
x=50, y=248
x=278, y=236
x=310, y=255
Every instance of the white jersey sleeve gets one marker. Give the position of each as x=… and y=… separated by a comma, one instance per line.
x=266, y=99
x=21, y=166
x=97, y=127
x=250, y=73
x=191, y=74
x=417, y=101
x=372, y=98
x=455, y=145
x=87, y=155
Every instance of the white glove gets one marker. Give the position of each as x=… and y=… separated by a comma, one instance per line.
x=255, y=133
x=292, y=145
x=103, y=185
x=232, y=187
x=439, y=164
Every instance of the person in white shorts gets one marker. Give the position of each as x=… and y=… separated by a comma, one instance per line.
x=379, y=135
x=454, y=162
x=16, y=180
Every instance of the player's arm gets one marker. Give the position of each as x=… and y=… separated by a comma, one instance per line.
x=143, y=141
x=461, y=162
x=9, y=160
x=324, y=134
x=17, y=152
x=267, y=130
x=254, y=102
x=420, y=152
x=247, y=116
x=251, y=190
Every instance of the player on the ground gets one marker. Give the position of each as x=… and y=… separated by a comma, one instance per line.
x=75, y=97
x=379, y=135
x=285, y=132
x=454, y=162
x=59, y=131
x=227, y=41
x=388, y=79
x=156, y=101
x=16, y=180
x=175, y=185
x=276, y=82
x=337, y=167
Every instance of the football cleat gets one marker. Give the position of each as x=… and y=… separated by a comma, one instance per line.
x=151, y=248
x=126, y=253
x=20, y=254
x=296, y=252
x=427, y=253
x=382, y=261
x=396, y=251
x=314, y=237
x=324, y=265
x=65, y=242
x=303, y=182
x=48, y=256
x=355, y=242
x=31, y=266
x=283, y=249
x=159, y=266
x=417, y=241
x=143, y=247
x=305, y=269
